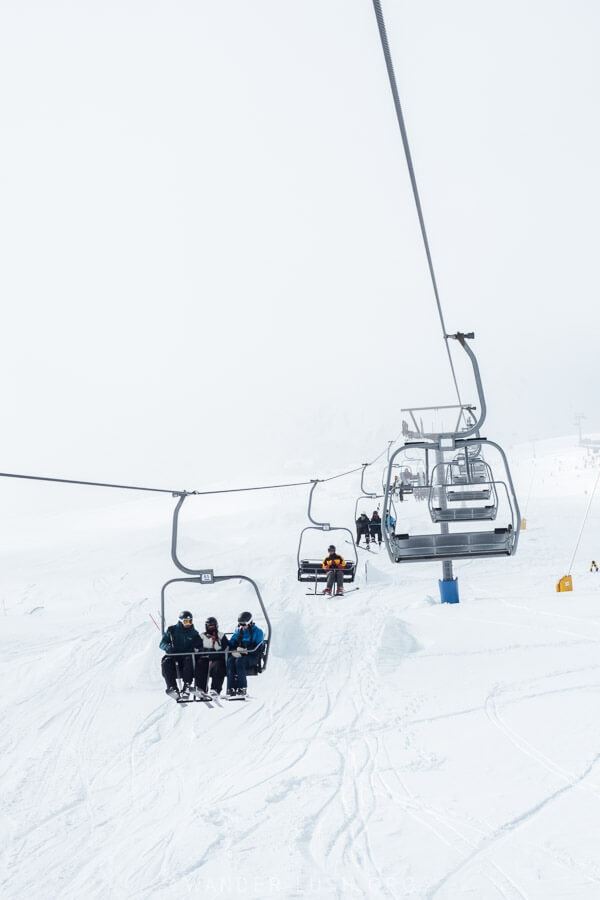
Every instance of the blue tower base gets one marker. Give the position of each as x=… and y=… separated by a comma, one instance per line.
x=449, y=591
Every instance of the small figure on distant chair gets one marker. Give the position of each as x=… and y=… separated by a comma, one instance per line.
x=334, y=564
x=362, y=528
x=375, y=527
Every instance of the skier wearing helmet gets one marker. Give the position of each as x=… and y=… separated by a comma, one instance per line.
x=179, y=643
x=362, y=528
x=212, y=661
x=334, y=565
x=375, y=528
x=246, y=645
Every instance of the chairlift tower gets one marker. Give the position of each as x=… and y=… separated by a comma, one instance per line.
x=449, y=594
x=591, y=445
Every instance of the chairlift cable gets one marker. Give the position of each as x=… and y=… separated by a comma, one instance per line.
x=342, y=474
x=587, y=512
x=173, y=493
x=179, y=493
x=394, y=87
x=383, y=452
x=123, y=487
x=132, y=487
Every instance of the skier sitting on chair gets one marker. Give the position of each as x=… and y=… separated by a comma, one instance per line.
x=246, y=646
x=362, y=528
x=334, y=564
x=211, y=662
x=180, y=638
x=375, y=527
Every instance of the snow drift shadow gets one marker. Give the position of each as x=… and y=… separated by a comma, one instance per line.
x=396, y=642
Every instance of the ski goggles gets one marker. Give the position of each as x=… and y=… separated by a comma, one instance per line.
x=186, y=621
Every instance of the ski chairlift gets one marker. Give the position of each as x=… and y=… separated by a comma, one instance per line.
x=406, y=481
x=444, y=497
x=481, y=493
x=204, y=577
x=397, y=486
x=312, y=569
x=365, y=495
x=467, y=468
x=457, y=473
x=403, y=483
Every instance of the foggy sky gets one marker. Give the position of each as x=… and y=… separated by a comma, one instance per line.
x=212, y=268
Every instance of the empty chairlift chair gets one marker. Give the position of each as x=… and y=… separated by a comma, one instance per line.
x=458, y=499
x=475, y=489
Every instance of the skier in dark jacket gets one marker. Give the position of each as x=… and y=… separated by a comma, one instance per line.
x=362, y=528
x=180, y=639
x=246, y=645
x=212, y=661
x=334, y=564
x=375, y=527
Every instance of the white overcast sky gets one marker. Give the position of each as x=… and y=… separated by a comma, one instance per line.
x=211, y=263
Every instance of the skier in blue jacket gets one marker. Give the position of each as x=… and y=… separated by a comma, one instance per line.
x=180, y=638
x=246, y=646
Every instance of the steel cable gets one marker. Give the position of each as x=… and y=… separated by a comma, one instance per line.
x=394, y=87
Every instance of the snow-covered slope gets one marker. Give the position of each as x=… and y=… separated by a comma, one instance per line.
x=395, y=747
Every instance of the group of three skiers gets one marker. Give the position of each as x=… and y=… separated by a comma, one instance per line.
x=195, y=656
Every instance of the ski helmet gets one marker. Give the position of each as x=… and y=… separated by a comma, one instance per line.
x=245, y=618
x=331, y=549
x=185, y=614
x=211, y=622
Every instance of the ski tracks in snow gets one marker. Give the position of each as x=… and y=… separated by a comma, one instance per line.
x=337, y=832
x=484, y=839
x=572, y=780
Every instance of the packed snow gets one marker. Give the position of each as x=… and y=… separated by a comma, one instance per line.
x=394, y=747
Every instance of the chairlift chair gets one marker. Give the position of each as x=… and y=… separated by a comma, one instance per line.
x=311, y=569
x=405, y=482
x=205, y=577
x=481, y=494
x=462, y=476
x=364, y=496
x=448, y=486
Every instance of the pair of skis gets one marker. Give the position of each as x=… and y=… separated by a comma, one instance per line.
x=195, y=696
x=209, y=699
x=325, y=594
x=366, y=547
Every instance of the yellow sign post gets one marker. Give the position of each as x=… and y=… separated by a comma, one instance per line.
x=565, y=583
